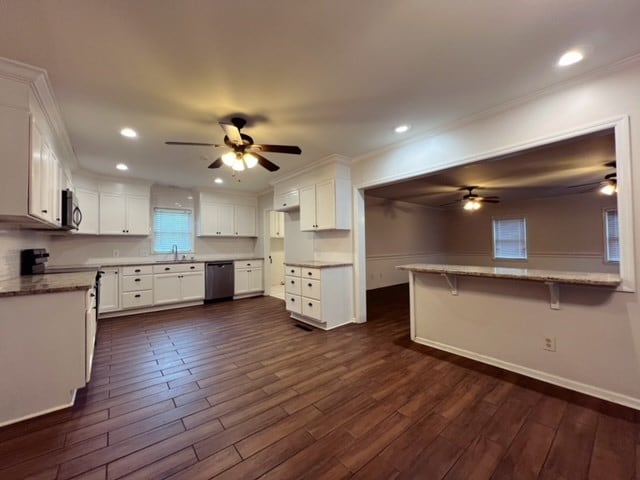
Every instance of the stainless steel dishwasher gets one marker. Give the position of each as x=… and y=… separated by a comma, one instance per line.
x=219, y=280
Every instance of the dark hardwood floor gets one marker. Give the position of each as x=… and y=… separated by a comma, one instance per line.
x=237, y=391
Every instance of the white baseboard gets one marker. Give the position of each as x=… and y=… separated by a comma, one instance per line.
x=614, y=397
x=155, y=308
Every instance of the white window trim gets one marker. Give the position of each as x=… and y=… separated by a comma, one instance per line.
x=493, y=240
x=153, y=232
x=605, y=239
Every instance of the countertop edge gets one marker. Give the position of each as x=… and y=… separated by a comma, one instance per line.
x=558, y=277
x=318, y=265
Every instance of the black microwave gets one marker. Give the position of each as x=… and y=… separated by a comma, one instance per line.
x=71, y=214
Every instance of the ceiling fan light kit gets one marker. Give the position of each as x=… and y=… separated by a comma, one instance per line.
x=244, y=153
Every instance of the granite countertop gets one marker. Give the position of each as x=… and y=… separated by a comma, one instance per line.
x=48, y=283
x=577, y=278
x=128, y=263
x=317, y=264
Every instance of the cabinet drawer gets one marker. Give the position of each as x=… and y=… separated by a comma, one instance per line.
x=178, y=267
x=140, y=282
x=310, y=288
x=292, y=285
x=137, y=299
x=248, y=264
x=139, y=270
x=310, y=273
x=311, y=308
x=294, y=303
x=293, y=271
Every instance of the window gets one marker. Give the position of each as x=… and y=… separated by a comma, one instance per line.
x=510, y=238
x=172, y=226
x=611, y=235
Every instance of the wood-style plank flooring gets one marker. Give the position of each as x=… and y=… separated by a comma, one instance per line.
x=236, y=391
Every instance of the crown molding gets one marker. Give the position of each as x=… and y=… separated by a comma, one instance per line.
x=335, y=158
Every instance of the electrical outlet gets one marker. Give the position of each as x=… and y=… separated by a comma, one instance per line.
x=116, y=253
x=549, y=344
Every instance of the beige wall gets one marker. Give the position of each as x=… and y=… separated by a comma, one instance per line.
x=400, y=233
x=563, y=233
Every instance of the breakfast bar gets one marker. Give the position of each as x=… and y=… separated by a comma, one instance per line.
x=501, y=316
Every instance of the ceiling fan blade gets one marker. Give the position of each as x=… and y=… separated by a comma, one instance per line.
x=585, y=184
x=291, y=149
x=491, y=197
x=197, y=144
x=272, y=167
x=217, y=163
x=232, y=132
x=491, y=200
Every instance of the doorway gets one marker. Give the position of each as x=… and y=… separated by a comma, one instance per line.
x=274, y=242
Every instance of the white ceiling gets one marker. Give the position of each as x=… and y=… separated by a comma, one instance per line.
x=330, y=76
x=548, y=171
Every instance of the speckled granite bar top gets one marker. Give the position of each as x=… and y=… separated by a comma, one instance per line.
x=127, y=263
x=577, y=278
x=47, y=283
x=318, y=264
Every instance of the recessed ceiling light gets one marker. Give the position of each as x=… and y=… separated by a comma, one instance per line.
x=189, y=197
x=122, y=166
x=218, y=180
x=128, y=132
x=570, y=57
x=402, y=128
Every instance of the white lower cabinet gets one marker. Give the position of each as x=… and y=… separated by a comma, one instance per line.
x=320, y=296
x=248, y=277
x=183, y=283
x=109, y=292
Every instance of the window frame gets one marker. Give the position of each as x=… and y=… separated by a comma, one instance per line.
x=605, y=236
x=493, y=240
x=191, y=229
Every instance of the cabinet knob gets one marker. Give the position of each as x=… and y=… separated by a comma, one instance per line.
x=166, y=269
x=293, y=299
x=310, y=273
x=284, y=204
x=137, y=296
x=310, y=284
x=292, y=282
x=137, y=270
x=310, y=304
x=57, y=219
x=92, y=294
x=44, y=211
x=192, y=268
x=137, y=280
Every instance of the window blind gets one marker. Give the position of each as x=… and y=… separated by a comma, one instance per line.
x=612, y=235
x=172, y=227
x=510, y=238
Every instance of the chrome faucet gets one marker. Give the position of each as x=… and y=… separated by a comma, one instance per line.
x=174, y=250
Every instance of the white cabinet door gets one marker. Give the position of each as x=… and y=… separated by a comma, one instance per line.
x=192, y=286
x=308, y=208
x=88, y=202
x=46, y=175
x=112, y=214
x=255, y=280
x=208, y=219
x=109, y=290
x=226, y=220
x=276, y=224
x=35, y=177
x=137, y=214
x=55, y=189
x=166, y=288
x=245, y=221
x=326, y=205
x=241, y=281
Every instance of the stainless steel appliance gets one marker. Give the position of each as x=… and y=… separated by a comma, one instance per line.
x=219, y=280
x=71, y=213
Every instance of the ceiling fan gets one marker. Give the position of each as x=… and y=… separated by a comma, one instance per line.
x=608, y=186
x=472, y=201
x=244, y=153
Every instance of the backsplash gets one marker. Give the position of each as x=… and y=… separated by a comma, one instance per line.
x=11, y=242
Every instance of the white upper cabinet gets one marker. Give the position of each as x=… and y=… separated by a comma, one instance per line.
x=325, y=206
x=226, y=216
x=124, y=214
x=276, y=224
x=286, y=201
x=88, y=202
x=34, y=148
x=245, y=221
